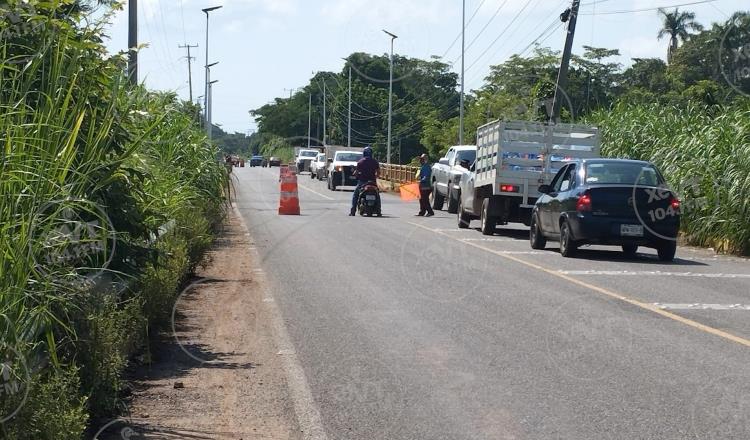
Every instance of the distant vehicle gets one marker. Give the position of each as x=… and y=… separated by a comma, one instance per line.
x=318, y=167
x=607, y=201
x=256, y=161
x=304, y=159
x=341, y=169
x=513, y=159
x=274, y=162
x=446, y=176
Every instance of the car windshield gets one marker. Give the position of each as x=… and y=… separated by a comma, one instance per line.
x=348, y=157
x=321, y=158
x=622, y=173
x=469, y=155
x=258, y=157
x=308, y=153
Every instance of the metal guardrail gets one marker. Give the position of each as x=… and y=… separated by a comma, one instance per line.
x=398, y=173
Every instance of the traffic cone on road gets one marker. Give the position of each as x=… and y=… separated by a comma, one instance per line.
x=289, y=197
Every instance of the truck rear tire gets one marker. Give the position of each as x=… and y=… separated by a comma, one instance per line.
x=488, y=222
x=452, y=201
x=436, y=200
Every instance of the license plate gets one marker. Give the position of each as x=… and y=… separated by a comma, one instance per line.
x=631, y=230
x=370, y=198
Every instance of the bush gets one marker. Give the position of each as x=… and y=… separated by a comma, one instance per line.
x=704, y=153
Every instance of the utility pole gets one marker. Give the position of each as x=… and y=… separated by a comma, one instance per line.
x=390, y=99
x=463, y=73
x=571, y=16
x=325, y=128
x=133, y=41
x=290, y=92
x=349, y=136
x=309, y=119
x=190, y=67
x=209, y=102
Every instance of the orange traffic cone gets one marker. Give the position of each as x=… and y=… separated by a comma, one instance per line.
x=289, y=198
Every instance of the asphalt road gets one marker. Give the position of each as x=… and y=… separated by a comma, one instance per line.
x=409, y=328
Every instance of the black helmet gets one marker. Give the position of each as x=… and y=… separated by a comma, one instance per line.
x=367, y=152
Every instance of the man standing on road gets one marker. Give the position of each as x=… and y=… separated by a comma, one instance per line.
x=425, y=187
x=368, y=170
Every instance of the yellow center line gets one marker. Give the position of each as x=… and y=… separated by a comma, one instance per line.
x=603, y=291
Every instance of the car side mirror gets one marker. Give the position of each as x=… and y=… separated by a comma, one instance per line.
x=545, y=189
x=464, y=164
x=443, y=161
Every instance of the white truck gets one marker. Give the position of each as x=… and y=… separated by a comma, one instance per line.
x=342, y=167
x=304, y=159
x=446, y=176
x=513, y=159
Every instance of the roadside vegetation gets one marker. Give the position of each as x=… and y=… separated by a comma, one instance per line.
x=82, y=146
x=688, y=115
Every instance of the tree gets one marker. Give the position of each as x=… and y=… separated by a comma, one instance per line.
x=677, y=25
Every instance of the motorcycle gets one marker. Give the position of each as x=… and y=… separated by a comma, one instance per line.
x=369, y=200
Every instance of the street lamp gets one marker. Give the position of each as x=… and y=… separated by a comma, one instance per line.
x=390, y=98
x=210, y=106
x=208, y=79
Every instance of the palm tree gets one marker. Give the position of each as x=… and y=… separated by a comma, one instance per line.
x=676, y=25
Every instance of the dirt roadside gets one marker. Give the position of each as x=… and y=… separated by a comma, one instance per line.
x=219, y=375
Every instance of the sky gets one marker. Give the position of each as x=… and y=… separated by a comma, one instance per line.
x=265, y=48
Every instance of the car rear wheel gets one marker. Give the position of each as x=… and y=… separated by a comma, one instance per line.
x=667, y=250
x=452, y=200
x=630, y=249
x=436, y=200
x=488, y=222
x=463, y=219
x=568, y=246
x=535, y=235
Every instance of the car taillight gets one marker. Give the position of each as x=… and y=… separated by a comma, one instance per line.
x=674, y=203
x=339, y=168
x=509, y=188
x=584, y=203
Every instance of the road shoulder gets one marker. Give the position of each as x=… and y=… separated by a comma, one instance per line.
x=218, y=376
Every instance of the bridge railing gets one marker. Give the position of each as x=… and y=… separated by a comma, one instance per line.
x=398, y=173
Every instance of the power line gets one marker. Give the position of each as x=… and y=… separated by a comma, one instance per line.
x=526, y=5
x=650, y=9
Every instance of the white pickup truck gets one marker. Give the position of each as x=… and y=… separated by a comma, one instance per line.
x=304, y=159
x=446, y=176
x=513, y=159
x=341, y=169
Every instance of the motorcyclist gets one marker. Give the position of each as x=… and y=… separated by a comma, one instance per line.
x=368, y=170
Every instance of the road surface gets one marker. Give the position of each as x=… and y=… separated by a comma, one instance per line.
x=409, y=328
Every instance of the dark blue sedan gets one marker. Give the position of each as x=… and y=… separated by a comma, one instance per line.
x=609, y=202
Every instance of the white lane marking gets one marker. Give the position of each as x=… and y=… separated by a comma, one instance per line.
x=308, y=415
x=315, y=192
x=659, y=273
x=699, y=306
x=487, y=239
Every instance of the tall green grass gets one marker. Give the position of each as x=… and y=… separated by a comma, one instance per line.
x=75, y=133
x=704, y=154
